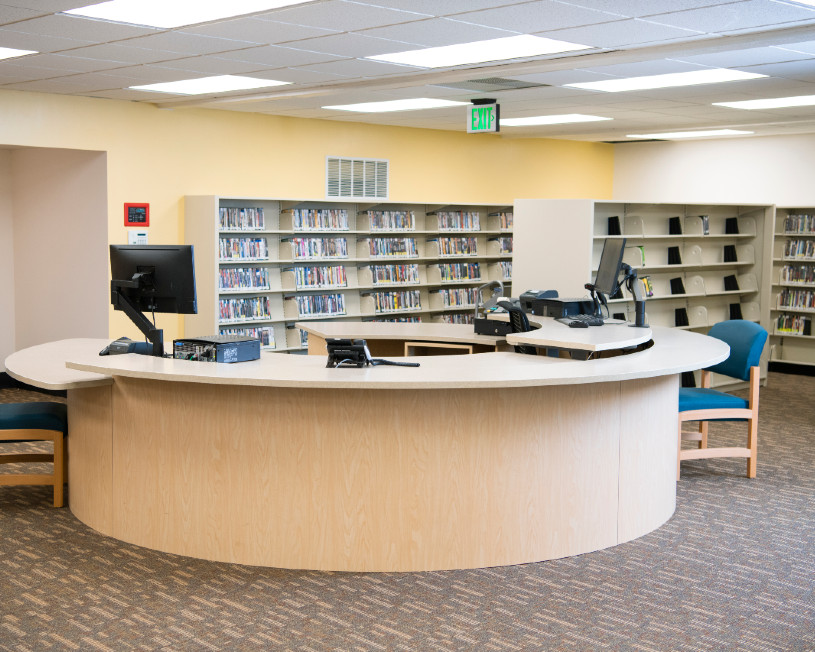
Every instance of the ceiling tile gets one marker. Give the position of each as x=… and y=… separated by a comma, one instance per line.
x=621, y=33
x=277, y=56
x=538, y=16
x=435, y=32
x=640, y=8
x=81, y=29
x=13, y=14
x=11, y=37
x=807, y=47
x=442, y=8
x=341, y=15
x=125, y=53
x=743, y=58
x=349, y=45
x=209, y=65
x=256, y=30
x=795, y=70
x=188, y=44
x=727, y=18
x=357, y=68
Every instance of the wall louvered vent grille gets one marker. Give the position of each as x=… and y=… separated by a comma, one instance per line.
x=356, y=178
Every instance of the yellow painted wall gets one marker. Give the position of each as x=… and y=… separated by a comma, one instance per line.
x=158, y=156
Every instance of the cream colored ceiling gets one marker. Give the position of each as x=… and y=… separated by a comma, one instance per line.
x=320, y=47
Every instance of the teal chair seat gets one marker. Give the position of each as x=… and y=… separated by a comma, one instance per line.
x=703, y=404
x=36, y=421
x=703, y=398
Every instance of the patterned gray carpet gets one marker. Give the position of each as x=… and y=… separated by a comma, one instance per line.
x=734, y=569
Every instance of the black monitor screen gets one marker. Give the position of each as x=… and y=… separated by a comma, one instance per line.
x=162, y=276
x=608, y=271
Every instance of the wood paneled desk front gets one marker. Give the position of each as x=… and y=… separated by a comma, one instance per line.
x=467, y=461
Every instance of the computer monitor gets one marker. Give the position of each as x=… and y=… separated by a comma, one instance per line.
x=608, y=271
x=152, y=278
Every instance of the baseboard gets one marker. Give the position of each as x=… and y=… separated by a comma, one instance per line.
x=792, y=368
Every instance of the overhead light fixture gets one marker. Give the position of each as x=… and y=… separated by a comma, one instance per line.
x=176, y=13
x=565, y=118
x=772, y=103
x=497, y=49
x=648, y=82
x=692, y=134
x=216, y=84
x=10, y=53
x=414, y=104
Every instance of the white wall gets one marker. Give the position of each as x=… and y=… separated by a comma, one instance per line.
x=54, y=265
x=770, y=170
x=6, y=260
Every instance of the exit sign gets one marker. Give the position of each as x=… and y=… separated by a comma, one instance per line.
x=483, y=118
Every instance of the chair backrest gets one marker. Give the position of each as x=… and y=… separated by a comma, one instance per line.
x=520, y=324
x=746, y=340
x=517, y=317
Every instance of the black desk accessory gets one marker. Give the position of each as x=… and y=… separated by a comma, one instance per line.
x=355, y=353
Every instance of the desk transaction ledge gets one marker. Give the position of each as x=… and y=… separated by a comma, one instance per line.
x=674, y=351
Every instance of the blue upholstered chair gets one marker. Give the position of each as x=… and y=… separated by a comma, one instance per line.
x=36, y=421
x=746, y=340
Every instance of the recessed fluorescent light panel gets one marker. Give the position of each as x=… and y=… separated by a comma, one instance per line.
x=175, y=13
x=565, y=118
x=10, y=53
x=497, y=49
x=692, y=134
x=692, y=78
x=397, y=105
x=203, y=85
x=773, y=103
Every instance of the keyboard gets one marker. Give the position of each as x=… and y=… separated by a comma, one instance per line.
x=589, y=320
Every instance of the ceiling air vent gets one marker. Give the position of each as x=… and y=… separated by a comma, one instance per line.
x=356, y=178
x=491, y=84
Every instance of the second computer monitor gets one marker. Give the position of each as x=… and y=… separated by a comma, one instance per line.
x=608, y=271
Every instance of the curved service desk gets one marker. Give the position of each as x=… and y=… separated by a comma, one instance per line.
x=467, y=461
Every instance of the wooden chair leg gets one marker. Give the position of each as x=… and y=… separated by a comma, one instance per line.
x=59, y=469
x=752, y=444
x=703, y=425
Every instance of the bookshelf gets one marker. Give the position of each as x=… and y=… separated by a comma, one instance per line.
x=792, y=295
x=703, y=263
x=264, y=264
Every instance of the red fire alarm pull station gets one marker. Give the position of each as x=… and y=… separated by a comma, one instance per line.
x=137, y=215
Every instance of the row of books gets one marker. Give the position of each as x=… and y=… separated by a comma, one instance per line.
x=504, y=244
x=504, y=221
x=244, y=308
x=319, y=247
x=459, y=220
x=459, y=297
x=397, y=300
x=799, y=248
x=310, y=305
x=265, y=334
x=241, y=219
x=244, y=278
x=457, y=246
x=506, y=269
x=390, y=274
x=381, y=247
x=800, y=299
x=322, y=219
x=392, y=220
x=798, y=274
x=412, y=319
x=458, y=318
x=243, y=248
x=794, y=325
x=799, y=224
x=460, y=271
x=320, y=276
